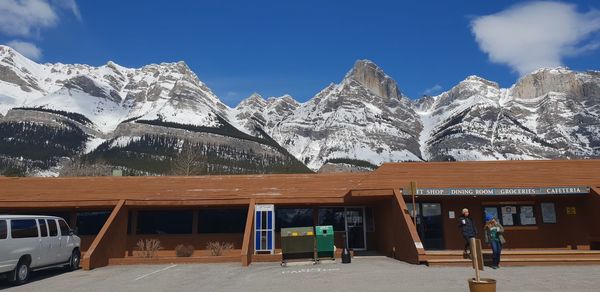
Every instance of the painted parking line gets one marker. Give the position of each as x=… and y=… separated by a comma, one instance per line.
x=157, y=271
x=310, y=270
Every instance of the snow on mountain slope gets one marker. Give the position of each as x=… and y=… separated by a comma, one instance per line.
x=365, y=119
x=111, y=94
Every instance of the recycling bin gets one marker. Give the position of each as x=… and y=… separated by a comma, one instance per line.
x=297, y=243
x=325, y=242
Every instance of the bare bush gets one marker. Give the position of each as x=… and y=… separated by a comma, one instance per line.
x=217, y=248
x=84, y=168
x=184, y=250
x=189, y=161
x=147, y=248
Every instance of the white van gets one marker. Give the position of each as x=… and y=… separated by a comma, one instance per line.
x=35, y=242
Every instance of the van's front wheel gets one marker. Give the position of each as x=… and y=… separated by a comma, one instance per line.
x=74, y=260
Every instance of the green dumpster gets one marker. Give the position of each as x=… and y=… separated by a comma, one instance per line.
x=297, y=243
x=325, y=239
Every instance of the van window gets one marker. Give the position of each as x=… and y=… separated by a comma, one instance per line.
x=52, y=227
x=3, y=229
x=43, y=228
x=64, y=228
x=23, y=228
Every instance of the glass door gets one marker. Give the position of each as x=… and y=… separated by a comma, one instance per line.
x=429, y=224
x=355, y=228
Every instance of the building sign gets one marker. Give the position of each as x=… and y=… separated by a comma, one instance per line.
x=579, y=190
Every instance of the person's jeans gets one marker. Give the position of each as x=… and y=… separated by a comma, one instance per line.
x=496, y=251
x=467, y=244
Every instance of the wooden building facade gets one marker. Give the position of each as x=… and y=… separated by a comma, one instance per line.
x=550, y=207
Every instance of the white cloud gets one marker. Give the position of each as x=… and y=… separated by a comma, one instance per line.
x=433, y=90
x=28, y=50
x=22, y=17
x=536, y=34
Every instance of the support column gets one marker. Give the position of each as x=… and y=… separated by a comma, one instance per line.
x=111, y=241
x=593, y=217
x=247, y=246
x=406, y=241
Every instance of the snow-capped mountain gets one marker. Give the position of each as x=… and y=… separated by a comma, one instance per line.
x=116, y=108
x=364, y=117
x=140, y=118
x=548, y=114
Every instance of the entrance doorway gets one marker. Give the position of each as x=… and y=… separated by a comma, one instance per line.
x=429, y=224
x=355, y=229
x=349, y=223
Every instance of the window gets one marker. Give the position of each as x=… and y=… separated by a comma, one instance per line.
x=288, y=217
x=334, y=217
x=52, y=227
x=64, y=227
x=90, y=223
x=43, y=228
x=222, y=220
x=65, y=215
x=25, y=228
x=3, y=229
x=370, y=219
x=512, y=215
x=164, y=222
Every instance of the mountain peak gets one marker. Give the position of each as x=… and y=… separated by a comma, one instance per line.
x=475, y=78
x=371, y=76
x=255, y=100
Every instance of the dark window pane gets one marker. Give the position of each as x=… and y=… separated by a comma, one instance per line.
x=3, y=229
x=64, y=227
x=222, y=220
x=23, y=228
x=165, y=222
x=52, y=227
x=65, y=215
x=334, y=217
x=370, y=219
x=293, y=218
x=43, y=228
x=90, y=223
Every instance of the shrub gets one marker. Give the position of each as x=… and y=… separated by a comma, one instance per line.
x=217, y=248
x=184, y=250
x=147, y=248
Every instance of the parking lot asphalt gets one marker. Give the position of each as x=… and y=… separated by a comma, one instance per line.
x=363, y=274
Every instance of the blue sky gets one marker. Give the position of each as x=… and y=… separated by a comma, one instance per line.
x=299, y=47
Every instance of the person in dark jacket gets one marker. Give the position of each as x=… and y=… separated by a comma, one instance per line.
x=468, y=230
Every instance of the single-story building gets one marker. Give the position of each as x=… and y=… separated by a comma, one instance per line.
x=550, y=210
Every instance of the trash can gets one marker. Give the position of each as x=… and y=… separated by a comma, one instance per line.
x=484, y=285
x=297, y=243
x=325, y=242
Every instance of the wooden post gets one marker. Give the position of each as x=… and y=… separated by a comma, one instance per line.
x=476, y=256
x=247, y=249
x=413, y=192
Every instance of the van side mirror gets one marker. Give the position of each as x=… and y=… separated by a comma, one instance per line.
x=73, y=231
